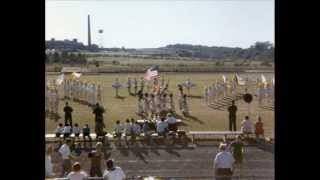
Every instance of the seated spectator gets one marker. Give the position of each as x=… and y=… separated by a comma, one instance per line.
x=76, y=173
x=76, y=130
x=86, y=133
x=247, y=126
x=223, y=164
x=172, y=122
x=259, y=131
x=147, y=131
x=113, y=172
x=118, y=132
x=135, y=130
x=96, y=157
x=162, y=127
x=128, y=129
x=59, y=130
x=66, y=131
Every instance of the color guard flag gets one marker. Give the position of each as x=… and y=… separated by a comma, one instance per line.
x=151, y=73
x=60, y=79
x=263, y=79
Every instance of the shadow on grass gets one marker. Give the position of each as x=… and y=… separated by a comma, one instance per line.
x=120, y=97
x=195, y=119
x=195, y=97
x=171, y=151
x=138, y=152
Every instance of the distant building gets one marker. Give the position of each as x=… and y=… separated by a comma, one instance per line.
x=70, y=45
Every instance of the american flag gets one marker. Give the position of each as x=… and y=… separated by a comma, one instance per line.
x=151, y=73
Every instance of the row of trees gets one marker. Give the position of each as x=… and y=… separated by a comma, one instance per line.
x=263, y=51
x=65, y=58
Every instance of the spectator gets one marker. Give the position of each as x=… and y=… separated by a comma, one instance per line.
x=223, y=164
x=113, y=172
x=67, y=114
x=66, y=131
x=172, y=122
x=77, y=149
x=76, y=130
x=162, y=127
x=128, y=129
x=66, y=157
x=247, y=126
x=259, y=131
x=86, y=133
x=147, y=131
x=232, y=117
x=96, y=157
x=135, y=130
x=76, y=173
x=59, y=130
x=118, y=132
x=237, y=150
x=49, y=166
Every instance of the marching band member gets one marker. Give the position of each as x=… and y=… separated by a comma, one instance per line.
x=171, y=104
x=184, y=105
x=129, y=84
x=142, y=84
x=99, y=94
x=135, y=83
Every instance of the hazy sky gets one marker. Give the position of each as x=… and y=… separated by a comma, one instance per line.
x=146, y=24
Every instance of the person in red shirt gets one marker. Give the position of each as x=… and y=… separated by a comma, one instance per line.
x=259, y=131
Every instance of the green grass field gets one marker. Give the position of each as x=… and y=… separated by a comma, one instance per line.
x=207, y=118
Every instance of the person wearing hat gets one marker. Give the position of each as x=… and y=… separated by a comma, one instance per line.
x=76, y=173
x=223, y=163
x=113, y=172
x=67, y=114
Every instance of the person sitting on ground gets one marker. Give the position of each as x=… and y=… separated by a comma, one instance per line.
x=237, y=150
x=113, y=172
x=59, y=130
x=223, y=163
x=66, y=131
x=118, y=132
x=172, y=122
x=76, y=173
x=86, y=133
x=247, y=126
x=76, y=130
x=128, y=129
x=96, y=156
x=162, y=127
x=259, y=131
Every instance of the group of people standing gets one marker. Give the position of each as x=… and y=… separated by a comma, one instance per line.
x=52, y=100
x=265, y=92
x=220, y=89
x=88, y=93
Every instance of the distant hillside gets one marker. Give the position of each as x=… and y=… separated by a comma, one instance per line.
x=261, y=51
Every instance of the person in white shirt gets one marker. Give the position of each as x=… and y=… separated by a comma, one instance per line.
x=66, y=157
x=135, y=130
x=76, y=173
x=128, y=129
x=66, y=131
x=247, y=126
x=162, y=127
x=59, y=130
x=113, y=172
x=118, y=132
x=76, y=130
x=223, y=164
x=172, y=122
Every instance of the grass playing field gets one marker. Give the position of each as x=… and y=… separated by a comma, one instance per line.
x=208, y=119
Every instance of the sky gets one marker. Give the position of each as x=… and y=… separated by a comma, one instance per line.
x=157, y=23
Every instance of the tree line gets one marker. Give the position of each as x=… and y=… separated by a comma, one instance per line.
x=263, y=51
x=65, y=58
